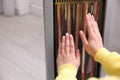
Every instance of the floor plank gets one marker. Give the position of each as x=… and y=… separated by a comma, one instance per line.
x=22, y=49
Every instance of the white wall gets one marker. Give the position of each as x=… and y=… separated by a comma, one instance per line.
x=22, y=6
x=37, y=2
x=114, y=42
x=26, y=6
x=112, y=27
x=36, y=6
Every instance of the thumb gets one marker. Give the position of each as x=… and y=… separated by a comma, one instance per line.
x=78, y=55
x=83, y=38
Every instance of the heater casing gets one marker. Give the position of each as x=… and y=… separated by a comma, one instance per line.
x=49, y=34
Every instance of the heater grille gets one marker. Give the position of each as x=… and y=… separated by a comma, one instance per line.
x=69, y=16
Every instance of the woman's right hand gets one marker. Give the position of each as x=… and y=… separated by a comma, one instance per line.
x=94, y=42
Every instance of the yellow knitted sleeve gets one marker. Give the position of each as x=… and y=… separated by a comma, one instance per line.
x=109, y=60
x=67, y=72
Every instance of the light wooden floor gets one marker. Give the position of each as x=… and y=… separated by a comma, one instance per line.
x=22, y=52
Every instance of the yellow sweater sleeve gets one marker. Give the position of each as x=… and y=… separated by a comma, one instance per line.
x=109, y=60
x=67, y=72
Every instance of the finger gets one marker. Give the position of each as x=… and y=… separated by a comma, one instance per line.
x=63, y=44
x=72, y=46
x=89, y=25
x=83, y=38
x=67, y=45
x=60, y=49
x=96, y=29
x=93, y=23
x=78, y=55
x=59, y=54
x=93, y=18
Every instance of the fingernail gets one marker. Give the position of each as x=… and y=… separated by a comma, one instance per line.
x=63, y=37
x=78, y=50
x=89, y=14
x=70, y=35
x=66, y=33
x=80, y=31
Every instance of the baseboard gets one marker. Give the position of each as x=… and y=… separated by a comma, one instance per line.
x=35, y=9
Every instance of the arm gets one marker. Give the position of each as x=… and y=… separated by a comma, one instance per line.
x=94, y=46
x=109, y=60
x=67, y=72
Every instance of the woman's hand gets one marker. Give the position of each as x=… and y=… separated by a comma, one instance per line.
x=66, y=52
x=94, y=42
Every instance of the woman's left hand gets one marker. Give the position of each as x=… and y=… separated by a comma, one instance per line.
x=67, y=53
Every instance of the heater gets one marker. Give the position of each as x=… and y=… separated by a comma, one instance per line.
x=68, y=16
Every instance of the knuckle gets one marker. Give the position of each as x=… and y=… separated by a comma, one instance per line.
x=67, y=45
x=92, y=36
